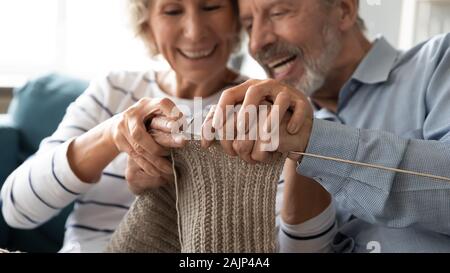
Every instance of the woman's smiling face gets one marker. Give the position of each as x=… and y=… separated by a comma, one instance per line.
x=196, y=37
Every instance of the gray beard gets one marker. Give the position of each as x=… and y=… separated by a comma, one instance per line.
x=316, y=70
x=309, y=83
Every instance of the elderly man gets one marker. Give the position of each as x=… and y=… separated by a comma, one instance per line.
x=371, y=104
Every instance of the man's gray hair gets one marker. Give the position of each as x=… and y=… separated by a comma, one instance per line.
x=360, y=21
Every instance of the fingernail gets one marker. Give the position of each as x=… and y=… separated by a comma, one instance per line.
x=293, y=128
x=240, y=126
x=266, y=128
x=216, y=123
x=179, y=139
x=169, y=125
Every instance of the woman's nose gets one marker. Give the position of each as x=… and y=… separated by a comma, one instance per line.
x=194, y=28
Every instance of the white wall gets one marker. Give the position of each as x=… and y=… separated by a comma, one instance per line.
x=383, y=17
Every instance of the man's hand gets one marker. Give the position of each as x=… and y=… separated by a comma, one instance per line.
x=293, y=122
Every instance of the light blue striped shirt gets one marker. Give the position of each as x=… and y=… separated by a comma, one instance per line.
x=395, y=112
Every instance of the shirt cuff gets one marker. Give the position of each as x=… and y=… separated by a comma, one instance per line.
x=64, y=172
x=319, y=224
x=330, y=139
x=315, y=235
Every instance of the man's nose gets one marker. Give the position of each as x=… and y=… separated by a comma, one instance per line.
x=262, y=35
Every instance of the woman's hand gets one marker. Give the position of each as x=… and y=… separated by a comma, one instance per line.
x=148, y=151
x=127, y=132
x=139, y=181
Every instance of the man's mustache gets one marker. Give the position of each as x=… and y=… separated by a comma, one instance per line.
x=266, y=54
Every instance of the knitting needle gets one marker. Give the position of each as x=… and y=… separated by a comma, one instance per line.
x=374, y=166
x=356, y=163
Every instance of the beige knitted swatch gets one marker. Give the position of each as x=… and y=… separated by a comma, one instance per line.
x=150, y=225
x=221, y=203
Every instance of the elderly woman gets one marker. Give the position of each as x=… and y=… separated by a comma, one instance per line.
x=85, y=160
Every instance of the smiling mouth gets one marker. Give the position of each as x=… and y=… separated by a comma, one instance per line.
x=283, y=65
x=197, y=54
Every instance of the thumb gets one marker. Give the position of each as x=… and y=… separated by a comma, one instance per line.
x=169, y=140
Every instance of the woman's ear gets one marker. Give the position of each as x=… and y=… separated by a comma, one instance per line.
x=348, y=14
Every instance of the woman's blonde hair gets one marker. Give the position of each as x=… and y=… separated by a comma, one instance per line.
x=138, y=13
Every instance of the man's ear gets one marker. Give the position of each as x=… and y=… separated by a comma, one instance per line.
x=348, y=14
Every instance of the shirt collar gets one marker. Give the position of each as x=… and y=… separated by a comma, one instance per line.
x=377, y=64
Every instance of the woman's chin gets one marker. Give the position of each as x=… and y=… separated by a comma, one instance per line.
x=198, y=76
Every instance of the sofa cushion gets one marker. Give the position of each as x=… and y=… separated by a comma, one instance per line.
x=9, y=147
x=39, y=106
x=35, y=112
x=4, y=230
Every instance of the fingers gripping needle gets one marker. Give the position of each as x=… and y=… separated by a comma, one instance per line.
x=190, y=132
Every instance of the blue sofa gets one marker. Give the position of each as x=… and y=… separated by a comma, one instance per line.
x=34, y=113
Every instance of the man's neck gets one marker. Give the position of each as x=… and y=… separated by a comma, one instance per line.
x=354, y=48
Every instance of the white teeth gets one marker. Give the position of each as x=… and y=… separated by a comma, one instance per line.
x=197, y=54
x=283, y=68
x=276, y=62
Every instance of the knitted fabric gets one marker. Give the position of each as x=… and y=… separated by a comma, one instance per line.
x=220, y=203
x=150, y=225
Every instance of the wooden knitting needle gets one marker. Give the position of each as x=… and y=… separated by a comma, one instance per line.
x=374, y=166
x=356, y=163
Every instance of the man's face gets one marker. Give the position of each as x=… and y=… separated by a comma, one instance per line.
x=294, y=40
